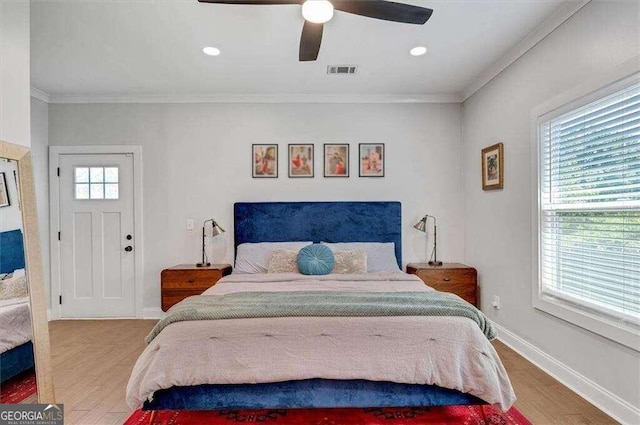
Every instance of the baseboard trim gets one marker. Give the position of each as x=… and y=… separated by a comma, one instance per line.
x=152, y=313
x=603, y=399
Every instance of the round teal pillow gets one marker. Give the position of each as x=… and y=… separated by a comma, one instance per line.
x=316, y=259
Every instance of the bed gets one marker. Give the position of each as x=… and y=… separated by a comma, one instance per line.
x=291, y=361
x=16, y=348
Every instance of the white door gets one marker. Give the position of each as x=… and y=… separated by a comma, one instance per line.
x=97, y=252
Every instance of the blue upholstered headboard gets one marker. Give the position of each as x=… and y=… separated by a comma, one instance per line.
x=319, y=222
x=11, y=251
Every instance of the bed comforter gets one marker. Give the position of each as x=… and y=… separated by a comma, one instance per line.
x=450, y=352
x=15, y=323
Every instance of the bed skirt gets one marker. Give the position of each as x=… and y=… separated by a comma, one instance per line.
x=309, y=393
x=16, y=361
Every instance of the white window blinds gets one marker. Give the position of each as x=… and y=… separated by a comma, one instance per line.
x=590, y=206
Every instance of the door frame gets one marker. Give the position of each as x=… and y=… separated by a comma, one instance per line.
x=54, y=217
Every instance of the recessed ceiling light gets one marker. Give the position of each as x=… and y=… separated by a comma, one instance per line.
x=211, y=51
x=418, y=51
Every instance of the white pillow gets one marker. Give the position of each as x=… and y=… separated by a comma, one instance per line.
x=381, y=256
x=254, y=257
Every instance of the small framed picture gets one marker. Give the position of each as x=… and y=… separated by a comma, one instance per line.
x=301, y=160
x=264, y=161
x=371, y=159
x=336, y=160
x=4, y=193
x=493, y=167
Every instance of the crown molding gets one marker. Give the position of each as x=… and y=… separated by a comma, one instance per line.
x=255, y=98
x=40, y=94
x=561, y=15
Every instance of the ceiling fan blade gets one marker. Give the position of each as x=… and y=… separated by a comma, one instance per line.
x=253, y=2
x=386, y=10
x=310, y=41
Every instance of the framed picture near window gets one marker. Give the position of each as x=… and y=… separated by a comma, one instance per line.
x=4, y=193
x=336, y=160
x=301, y=160
x=493, y=167
x=264, y=160
x=371, y=159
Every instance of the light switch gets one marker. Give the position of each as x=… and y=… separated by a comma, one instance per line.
x=190, y=224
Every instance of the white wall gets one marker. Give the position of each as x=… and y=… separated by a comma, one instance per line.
x=40, y=156
x=197, y=163
x=498, y=224
x=15, y=85
x=11, y=216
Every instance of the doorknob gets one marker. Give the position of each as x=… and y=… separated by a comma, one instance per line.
x=129, y=237
x=129, y=248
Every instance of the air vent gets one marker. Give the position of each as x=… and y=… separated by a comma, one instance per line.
x=341, y=69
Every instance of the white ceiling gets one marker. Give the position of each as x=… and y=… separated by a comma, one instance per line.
x=143, y=47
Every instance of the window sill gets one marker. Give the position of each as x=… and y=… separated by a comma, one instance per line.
x=625, y=334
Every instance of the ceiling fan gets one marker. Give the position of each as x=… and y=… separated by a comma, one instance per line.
x=317, y=12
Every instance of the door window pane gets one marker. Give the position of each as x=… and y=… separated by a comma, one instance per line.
x=111, y=175
x=82, y=191
x=111, y=191
x=82, y=175
x=97, y=191
x=97, y=174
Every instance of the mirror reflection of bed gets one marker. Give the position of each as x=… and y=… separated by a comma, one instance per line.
x=17, y=375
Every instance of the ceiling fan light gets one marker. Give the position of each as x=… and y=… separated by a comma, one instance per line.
x=418, y=51
x=317, y=11
x=211, y=51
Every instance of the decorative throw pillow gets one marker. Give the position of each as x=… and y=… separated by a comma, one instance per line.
x=315, y=259
x=283, y=261
x=381, y=256
x=254, y=257
x=13, y=287
x=350, y=262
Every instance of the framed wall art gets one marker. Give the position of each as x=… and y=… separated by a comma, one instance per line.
x=301, y=160
x=264, y=159
x=4, y=192
x=371, y=160
x=336, y=160
x=493, y=167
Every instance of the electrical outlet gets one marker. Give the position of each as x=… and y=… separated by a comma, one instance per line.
x=496, y=302
x=190, y=224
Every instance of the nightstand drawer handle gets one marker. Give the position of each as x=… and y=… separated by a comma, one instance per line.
x=446, y=279
x=191, y=280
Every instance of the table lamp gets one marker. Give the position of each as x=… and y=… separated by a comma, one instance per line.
x=422, y=226
x=215, y=231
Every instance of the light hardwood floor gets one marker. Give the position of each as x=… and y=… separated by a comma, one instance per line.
x=92, y=361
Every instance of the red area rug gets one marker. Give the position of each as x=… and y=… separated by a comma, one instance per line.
x=467, y=415
x=18, y=388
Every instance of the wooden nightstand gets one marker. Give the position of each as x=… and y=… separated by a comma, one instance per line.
x=180, y=282
x=450, y=277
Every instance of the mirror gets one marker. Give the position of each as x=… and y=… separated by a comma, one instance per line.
x=24, y=330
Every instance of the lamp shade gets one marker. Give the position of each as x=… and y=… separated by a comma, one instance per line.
x=216, y=229
x=422, y=224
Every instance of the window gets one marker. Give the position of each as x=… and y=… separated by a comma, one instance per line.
x=589, y=211
x=96, y=183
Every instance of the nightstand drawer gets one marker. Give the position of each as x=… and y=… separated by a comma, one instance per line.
x=187, y=279
x=465, y=291
x=447, y=277
x=169, y=298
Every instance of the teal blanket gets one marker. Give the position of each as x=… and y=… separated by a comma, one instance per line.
x=321, y=304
